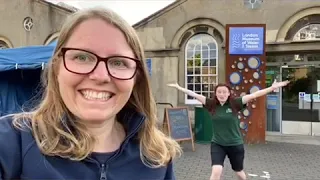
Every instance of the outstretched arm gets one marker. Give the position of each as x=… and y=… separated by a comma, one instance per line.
x=262, y=92
x=199, y=97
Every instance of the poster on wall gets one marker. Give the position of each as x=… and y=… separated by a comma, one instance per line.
x=149, y=65
x=246, y=40
x=272, y=102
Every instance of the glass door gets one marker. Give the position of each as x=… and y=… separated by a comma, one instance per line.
x=300, y=99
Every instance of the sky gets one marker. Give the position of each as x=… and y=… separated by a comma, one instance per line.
x=131, y=10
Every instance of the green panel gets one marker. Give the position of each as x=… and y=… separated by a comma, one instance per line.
x=203, y=126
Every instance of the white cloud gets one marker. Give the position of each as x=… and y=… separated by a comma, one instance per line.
x=131, y=10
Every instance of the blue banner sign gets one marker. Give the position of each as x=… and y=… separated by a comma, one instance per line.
x=246, y=40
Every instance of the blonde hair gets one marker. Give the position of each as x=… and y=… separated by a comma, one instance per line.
x=55, y=138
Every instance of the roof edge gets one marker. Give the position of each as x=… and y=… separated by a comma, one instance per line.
x=158, y=13
x=56, y=6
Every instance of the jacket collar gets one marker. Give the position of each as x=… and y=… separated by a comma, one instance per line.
x=131, y=120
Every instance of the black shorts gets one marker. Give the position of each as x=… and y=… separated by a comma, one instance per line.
x=234, y=153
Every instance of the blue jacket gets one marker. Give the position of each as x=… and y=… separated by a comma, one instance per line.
x=20, y=158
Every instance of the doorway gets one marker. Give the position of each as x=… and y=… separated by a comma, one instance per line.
x=300, y=101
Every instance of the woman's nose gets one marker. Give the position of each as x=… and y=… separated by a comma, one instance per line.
x=100, y=73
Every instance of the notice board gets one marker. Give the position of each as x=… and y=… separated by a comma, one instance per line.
x=178, y=125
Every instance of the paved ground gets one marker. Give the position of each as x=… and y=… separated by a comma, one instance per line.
x=282, y=161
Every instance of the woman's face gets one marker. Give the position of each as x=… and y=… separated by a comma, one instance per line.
x=222, y=93
x=96, y=96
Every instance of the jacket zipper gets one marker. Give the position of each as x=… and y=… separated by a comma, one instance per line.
x=104, y=167
x=103, y=174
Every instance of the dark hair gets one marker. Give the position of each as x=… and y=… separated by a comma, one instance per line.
x=231, y=100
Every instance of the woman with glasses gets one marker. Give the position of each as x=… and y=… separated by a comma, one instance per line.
x=97, y=118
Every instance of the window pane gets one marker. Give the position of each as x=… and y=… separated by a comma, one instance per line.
x=197, y=62
x=197, y=55
x=213, y=54
x=205, y=87
x=212, y=62
x=190, y=71
x=206, y=94
x=213, y=71
x=212, y=79
x=189, y=54
x=197, y=79
x=198, y=47
x=205, y=54
x=190, y=63
x=190, y=47
x=197, y=87
x=197, y=71
x=190, y=86
x=190, y=79
x=204, y=79
x=212, y=45
x=205, y=47
x=205, y=62
x=205, y=70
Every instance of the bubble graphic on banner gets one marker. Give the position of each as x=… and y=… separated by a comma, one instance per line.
x=243, y=125
x=235, y=78
x=246, y=112
x=240, y=65
x=254, y=62
x=254, y=89
x=256, y=75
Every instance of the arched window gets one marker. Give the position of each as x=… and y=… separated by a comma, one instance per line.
x=308, y=32
x=201, y=66
x=3, y=45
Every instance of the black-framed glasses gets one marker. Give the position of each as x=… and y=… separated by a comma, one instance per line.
x=81, y=61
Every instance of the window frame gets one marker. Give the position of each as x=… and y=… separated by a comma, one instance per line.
x=216, y=57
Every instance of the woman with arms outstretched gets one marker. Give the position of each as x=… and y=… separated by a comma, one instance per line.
x=226, y=138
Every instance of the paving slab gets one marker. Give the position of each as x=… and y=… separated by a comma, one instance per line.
x=272, y=161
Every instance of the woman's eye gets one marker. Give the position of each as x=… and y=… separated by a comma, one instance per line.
x=81, y=57
x=118, y=63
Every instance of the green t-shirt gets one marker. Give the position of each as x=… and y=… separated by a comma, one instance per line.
x=226, y=125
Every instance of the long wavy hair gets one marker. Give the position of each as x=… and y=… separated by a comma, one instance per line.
x=47, y=119
x=231, y=100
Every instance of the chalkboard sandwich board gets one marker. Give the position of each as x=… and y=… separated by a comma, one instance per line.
x=178, y=124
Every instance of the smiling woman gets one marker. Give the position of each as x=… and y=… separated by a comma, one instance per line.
x=97, y=118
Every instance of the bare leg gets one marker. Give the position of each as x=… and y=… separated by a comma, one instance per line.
x=241, y=175
x=216, y=172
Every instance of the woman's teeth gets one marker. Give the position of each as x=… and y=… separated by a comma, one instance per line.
x=94, y=95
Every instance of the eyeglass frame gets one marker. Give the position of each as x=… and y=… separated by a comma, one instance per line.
x=99, y=59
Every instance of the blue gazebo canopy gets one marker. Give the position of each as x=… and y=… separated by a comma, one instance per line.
x=29, y=57
x=20, y=70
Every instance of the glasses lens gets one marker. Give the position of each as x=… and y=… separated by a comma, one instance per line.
x=121, y=67
x=80, y=61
